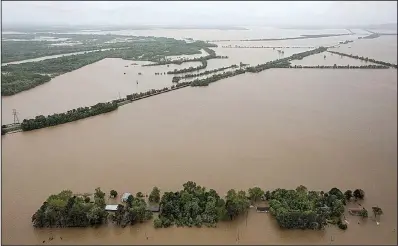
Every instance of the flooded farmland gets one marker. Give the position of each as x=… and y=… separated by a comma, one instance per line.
x=278, y=128
x=102, y=81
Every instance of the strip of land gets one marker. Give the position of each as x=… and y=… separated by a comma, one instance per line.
x=197, y=206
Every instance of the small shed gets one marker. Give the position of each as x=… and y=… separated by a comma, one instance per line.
x=125, y=196
x=262, y=209
x=111, y=208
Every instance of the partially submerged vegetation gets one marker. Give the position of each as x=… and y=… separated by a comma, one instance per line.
x=293, y=38
x=193, y=75
x=341, y=66
x=366, y=59
x=211, y=55
x=279, y=63
x=195, y=205
x=189, y=69
x=19, y=77
x=72, y=115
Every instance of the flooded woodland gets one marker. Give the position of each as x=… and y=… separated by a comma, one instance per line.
x=280, y=128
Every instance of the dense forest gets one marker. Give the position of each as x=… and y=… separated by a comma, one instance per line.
x=194, y=205
x=72, y=115
x=16, y=47
x=366, y=59
x=24, y=76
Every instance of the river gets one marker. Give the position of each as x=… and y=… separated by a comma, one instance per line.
x=279, y=128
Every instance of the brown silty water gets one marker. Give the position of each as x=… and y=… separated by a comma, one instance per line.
x=276, y=129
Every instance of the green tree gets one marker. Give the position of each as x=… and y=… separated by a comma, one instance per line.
x=155, y=195
x=377, y=211
x=363, y=213
x=359, y=194
x=157, y=223
x=139, y=195
x=256, y=193
x=113, y=193
x=348, y=195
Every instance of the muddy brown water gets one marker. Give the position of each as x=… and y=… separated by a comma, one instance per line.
x=279, y=128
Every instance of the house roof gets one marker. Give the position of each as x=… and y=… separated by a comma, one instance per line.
x=262, y=208
x=126, y=195
x=111, y=207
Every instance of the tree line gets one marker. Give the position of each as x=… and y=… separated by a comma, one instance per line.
x=189, y=69
x=178, y=78
x=342, y=66
x=211, y=55
x=366, y=59
x=71, y=115
x=19, y=77
x=279, y=63
x=195, y=205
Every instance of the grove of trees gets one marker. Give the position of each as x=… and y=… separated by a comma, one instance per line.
x=67, y=210
x=71, y=115
x=366, y=59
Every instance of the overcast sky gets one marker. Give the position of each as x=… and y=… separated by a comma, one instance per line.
x=199, y=13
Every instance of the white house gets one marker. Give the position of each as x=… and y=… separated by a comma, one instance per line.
x=125, y=196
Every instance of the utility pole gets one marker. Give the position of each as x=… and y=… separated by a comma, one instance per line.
x=16, y=120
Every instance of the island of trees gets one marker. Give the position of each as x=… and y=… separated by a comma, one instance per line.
x=197, y=206
x=72, y=115
x=366, y=59
x=178, y=78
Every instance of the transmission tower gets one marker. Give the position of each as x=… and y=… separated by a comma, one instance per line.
x=15, y=113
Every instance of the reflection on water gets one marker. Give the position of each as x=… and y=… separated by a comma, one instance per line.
x=279, y=128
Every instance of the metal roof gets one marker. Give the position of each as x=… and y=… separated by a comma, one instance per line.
x=111, y=207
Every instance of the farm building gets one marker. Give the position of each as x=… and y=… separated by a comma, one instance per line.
x=125, y=196
x=111, y=208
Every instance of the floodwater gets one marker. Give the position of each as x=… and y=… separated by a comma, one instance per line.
x=383, y=48
x=279, y=128
x=329, y=59
x=98, y=82
x=50, y=57
x=252, y=32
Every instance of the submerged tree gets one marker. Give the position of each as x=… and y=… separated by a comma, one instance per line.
x=256, y=193
x=359, y=194
x=113, y=194
x=155, y=195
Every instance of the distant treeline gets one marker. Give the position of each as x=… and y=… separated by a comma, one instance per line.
x=72, y=115
x=211, y=55
x=177, y=78
x=268, y=47
x=365, y=59
x=279, y=39
x=343, y=67
x=279, y=63
x=19, y=77
x=190, y=69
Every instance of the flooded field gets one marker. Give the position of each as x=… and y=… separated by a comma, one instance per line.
x=383, y=48
x=99, y=82
x=329, y=59
x=280, y=128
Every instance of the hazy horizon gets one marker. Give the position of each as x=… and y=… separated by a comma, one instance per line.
x=276, y=14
